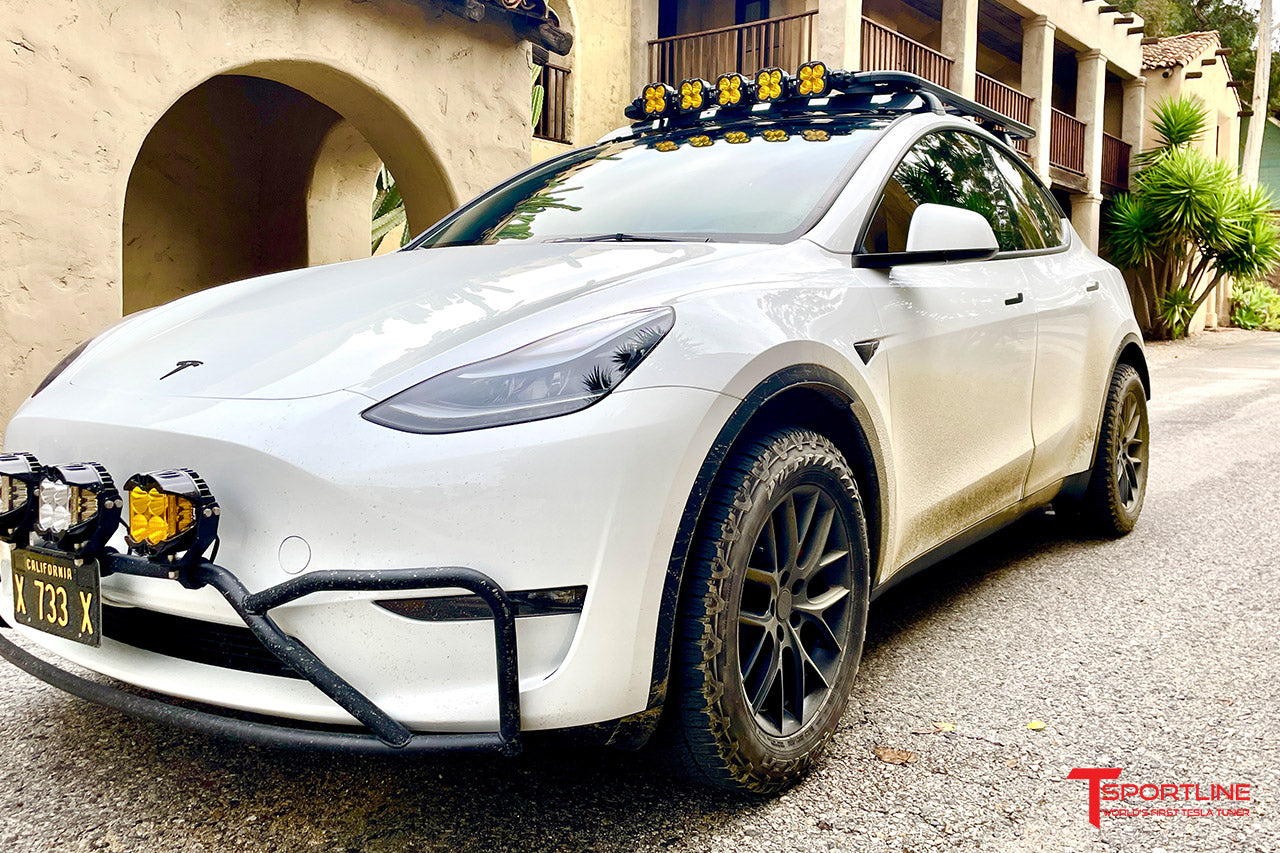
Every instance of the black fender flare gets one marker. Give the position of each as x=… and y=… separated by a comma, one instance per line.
x=812, y=376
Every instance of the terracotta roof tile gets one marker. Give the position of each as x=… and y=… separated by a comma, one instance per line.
x=1178, y=50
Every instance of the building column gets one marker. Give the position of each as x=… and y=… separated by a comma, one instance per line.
x=837, y=34
x=644, y=26
x=960, y=42
x=1086, y=210
x=1133, y=116
x=1037, y=83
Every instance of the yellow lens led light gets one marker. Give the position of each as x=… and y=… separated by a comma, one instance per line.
x=769, y=84
x=156, y=517
x=657, y=98
x=666, y=145
x=815, y=135
x=735, y=137
x=773, y=134
x=694, y=94
x=172, y=515
x=700, y=141
x=811, y=79
x=731, y=89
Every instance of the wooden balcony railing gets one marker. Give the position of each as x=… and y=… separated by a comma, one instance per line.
x=1115, y=162
x=785, y=41
x=1006, y=100
x=885, y=50
x=1066, y=142
x=553, y=124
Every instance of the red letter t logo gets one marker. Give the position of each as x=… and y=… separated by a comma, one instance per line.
x=1095, y=775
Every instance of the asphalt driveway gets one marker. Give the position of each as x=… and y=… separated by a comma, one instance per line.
x=1156, y=654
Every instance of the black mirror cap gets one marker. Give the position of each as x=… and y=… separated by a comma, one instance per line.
x=885, y=260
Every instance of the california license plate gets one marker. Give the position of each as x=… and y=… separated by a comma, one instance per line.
x=53, y=594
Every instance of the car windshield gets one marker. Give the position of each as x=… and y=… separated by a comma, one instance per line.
x=748, y=181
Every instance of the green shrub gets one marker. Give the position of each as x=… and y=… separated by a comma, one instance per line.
x=1188, y=223
x=1255, y=305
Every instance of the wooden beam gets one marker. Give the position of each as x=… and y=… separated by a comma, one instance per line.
x=1192, y=75
x=1104, y=10
x=1212, y=60
x=1234, y=84
x=1133, y=31
x=1223, y=51
x=1151, y=40
x=545, y=33
x=467, y=10
x=1126, y=19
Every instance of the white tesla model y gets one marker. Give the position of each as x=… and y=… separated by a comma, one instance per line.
x=627, y=444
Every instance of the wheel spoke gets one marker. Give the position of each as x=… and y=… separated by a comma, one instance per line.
x=812, y=664
x=760, y=576
x=773, y=671
x=765, y=641
x=770, y=537
x=822, y=602
x=806, y=521
x=818, y=542
x=828, y=636
x=755, y=620
x=790, y=531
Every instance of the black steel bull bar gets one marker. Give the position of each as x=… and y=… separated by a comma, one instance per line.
x=385, y=734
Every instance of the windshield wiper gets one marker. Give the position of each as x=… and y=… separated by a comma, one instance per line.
x=619, y=237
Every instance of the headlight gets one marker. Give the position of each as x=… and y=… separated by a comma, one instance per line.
x=554, y=376
x=61, y=366
x=172, y=515
x=20, y=475
x=77, y=507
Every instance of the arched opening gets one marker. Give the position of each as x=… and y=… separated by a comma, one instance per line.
x=246, y=175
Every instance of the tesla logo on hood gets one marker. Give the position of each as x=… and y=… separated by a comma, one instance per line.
x=182, y=365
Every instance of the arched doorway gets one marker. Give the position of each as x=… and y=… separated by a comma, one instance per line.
x=246, y=175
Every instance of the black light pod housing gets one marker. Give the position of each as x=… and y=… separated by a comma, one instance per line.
x=695, y=95
x=734, y=91
x=20, y=476
x=77, y=507
x=173, y=516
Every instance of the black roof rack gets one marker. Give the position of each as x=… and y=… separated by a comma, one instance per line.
x=850, y=91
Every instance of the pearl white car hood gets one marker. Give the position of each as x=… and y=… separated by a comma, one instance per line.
x=359, y=324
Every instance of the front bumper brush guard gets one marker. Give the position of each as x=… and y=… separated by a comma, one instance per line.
x=386, y=735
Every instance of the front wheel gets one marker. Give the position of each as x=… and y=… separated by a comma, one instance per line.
x=774, y=614
x=1113, y=501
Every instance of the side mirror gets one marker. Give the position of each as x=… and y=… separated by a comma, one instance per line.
x=939, y=233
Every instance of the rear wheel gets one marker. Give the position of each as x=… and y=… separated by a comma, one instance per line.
x=773, y=615
x=1113, y=501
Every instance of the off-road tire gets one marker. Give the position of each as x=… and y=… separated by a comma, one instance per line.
x=713, y=730
x=1103, y=509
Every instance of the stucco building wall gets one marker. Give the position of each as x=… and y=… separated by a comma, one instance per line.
x=443, y=102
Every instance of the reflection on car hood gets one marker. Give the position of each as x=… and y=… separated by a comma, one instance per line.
x=361, y=323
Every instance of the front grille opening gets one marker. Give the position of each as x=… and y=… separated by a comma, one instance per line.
x=192, y=640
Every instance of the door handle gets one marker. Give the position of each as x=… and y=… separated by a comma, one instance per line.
x=1092, y=286
x=1013, y=300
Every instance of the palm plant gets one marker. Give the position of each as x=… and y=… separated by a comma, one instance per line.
x=1188, y=223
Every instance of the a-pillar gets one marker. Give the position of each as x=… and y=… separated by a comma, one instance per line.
x=960, y=42
x=1037, y=84
x=1086, y=208
x=837, y=36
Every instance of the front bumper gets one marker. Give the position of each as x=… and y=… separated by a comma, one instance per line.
x=593, y=499
x=385, y=733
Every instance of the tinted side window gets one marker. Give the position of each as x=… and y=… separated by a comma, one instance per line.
x=1034, y=203
x=948, y=168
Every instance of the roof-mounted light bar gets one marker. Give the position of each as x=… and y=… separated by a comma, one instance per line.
x=835, y=90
